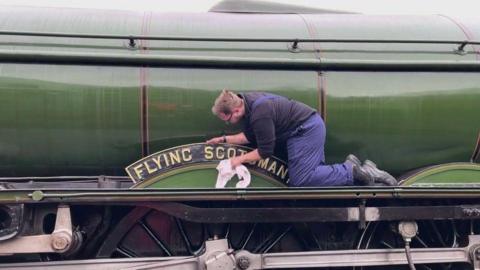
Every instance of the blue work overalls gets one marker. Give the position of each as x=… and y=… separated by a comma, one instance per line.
x=306, y=156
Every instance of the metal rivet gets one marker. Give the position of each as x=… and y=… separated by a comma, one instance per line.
x=243, y=263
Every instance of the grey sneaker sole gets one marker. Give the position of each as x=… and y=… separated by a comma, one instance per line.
x=383, y=177
x=379, y=175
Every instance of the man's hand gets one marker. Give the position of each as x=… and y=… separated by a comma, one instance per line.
x=236, y=161
x=215, y=140
x=248, y=157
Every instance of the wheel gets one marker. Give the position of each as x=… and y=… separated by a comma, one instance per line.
x=431, y=234
x=146, y=232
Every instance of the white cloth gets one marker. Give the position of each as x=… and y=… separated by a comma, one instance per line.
x=226, y=172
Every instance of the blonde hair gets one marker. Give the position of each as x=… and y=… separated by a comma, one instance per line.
x=226, y=102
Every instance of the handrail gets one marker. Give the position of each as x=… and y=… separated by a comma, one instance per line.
x=157, y=195
x=218, y=62
x=294, y=41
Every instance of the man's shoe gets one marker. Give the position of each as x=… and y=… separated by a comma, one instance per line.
x=370, y=163
x=360, y=176
x=378, y=175
x=354, y=160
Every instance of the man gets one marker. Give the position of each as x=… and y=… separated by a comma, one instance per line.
x=271, y=119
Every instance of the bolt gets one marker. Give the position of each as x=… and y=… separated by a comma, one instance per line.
x=37, y=195
x=243, y=263
x=60, y=241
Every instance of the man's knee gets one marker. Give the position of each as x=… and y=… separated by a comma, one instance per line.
x=300, y=180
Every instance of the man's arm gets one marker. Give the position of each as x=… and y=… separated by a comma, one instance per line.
x=239, y=138
x=248, y=157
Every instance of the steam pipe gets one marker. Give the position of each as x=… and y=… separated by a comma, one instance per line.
x=409, y=255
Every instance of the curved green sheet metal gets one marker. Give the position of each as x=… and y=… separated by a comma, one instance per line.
x=452, y=174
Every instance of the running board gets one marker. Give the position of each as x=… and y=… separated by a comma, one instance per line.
x=218, y=256
x=104, y=264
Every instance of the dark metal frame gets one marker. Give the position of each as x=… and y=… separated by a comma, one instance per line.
x=314, y=214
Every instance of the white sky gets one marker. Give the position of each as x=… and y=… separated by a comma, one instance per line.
x=459, y=8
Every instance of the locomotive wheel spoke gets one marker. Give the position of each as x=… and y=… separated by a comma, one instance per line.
x=247, y=236
x=145, y=232
x=273, y=238
x=277, y=239
x=126, y=252
x=185, y=238
x=437, y=233
x=422, y=243
x=385, y=244
x=155, y=238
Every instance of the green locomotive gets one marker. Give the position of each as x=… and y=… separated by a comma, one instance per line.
x=86, y=93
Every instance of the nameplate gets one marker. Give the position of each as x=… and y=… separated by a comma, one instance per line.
x=183, y=156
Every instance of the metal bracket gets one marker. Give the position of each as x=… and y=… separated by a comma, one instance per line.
x=361, y=215
x=293, y=47
x=60, y=241
x=132, y=43
x=461, y=48
x=217, y=255
x=475, y=257
x=474, y=248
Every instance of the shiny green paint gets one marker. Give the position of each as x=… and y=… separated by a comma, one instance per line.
x=452, y=174
x=69, y=20
x=52, y=128
x=403, y=121
x=179, y=113
x=81, y=129
x=68, y=120
x=409, y=27
x=60, y=120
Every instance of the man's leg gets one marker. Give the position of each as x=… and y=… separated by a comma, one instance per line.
x=306, y=158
